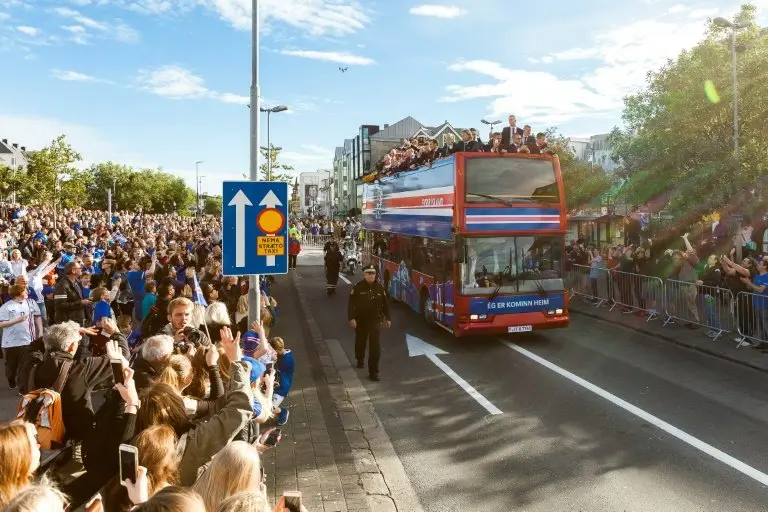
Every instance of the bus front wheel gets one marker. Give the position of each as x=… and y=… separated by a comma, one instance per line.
x=426, y=307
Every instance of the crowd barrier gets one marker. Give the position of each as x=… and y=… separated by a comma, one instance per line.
x=675, y=301
x=752, y=317
x=315, y=241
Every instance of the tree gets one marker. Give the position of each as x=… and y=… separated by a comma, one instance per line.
x=45, y=167
x=213, y=206
x=678, y=133
x=279, y=171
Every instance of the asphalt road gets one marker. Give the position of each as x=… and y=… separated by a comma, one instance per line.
x=558, y=446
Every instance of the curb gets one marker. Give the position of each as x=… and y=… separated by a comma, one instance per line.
x=675, y=341
x=381, y=472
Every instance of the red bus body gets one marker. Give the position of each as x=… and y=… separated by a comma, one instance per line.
x=474, y=242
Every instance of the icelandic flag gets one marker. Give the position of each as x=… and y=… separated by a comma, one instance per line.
x=197, y=293
x=119, y=238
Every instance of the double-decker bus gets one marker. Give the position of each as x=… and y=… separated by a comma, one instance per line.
x=474, y=242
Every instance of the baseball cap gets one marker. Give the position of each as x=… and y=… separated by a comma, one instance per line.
x=369, y=268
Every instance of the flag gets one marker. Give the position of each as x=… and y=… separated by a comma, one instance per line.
x=197, y=293
x=119, y=238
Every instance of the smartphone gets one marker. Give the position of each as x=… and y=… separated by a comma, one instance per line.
x=269, y=367
x=129, y=463
x=292, y=500
x=117, y=370
x=273, y=438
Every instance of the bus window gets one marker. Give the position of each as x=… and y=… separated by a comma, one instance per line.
x=517, y=180
x=513, y=264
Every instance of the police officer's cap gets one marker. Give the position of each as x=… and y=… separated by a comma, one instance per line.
x=369, y=268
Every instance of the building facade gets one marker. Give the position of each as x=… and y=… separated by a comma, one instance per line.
x=14, y=156
x=359, y=155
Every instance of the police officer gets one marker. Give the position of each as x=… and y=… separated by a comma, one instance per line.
x=368, y=304
x=333, y=260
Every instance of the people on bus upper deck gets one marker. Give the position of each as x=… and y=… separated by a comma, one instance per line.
x=526, y=132
x=494, y=144
x=517, y=143
x=508, y=133
x=445, y=150
x=466, y=143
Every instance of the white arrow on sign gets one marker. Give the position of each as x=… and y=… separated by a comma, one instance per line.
x=240, y=201
x=270, y=201
x=419, y=347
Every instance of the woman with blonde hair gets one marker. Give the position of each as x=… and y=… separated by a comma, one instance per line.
x=18, y=264
x=172, y=499
x=19, y=458
x=250, y=501
x=40, y=497
x=236, y=468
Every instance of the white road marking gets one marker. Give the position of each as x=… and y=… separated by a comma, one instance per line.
x=700, y=445
x=419, y=347
x=344, y=279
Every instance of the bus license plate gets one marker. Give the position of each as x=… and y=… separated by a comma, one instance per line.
x=520, y=328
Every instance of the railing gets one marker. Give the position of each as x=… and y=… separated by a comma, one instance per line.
x=706, y=306
x=310, y=241
x=677, y=301
x=752, y=313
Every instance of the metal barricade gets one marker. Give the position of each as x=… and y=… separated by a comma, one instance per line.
x=751, y=311
x=592, y=284
x=637, y=293
x=316, y=241
x=705, y=306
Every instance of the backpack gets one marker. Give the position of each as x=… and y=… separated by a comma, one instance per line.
x=42, y=408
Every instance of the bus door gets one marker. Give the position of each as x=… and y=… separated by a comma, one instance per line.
x=444, y=265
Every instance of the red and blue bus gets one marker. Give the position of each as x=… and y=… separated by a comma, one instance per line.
x=474, y=242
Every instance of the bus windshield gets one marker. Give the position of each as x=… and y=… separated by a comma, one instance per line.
x=510, y=180
x=505, y=265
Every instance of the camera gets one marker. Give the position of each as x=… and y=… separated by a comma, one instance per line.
x=193, y=336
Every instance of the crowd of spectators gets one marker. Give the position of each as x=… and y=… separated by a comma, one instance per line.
x=704, y=284
x=420, y=151
x=133, y=313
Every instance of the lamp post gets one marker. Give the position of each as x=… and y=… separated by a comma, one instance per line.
x=491, y=124
x=200, y=188
x=270, y=111
x=734, y=27
x=197, y=185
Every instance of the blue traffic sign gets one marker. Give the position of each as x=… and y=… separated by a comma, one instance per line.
x=254, y=222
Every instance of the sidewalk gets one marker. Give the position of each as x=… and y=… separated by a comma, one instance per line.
x=724, y=347
x=314, y=455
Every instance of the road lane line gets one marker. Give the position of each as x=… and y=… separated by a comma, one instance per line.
x=344, y=279
x=700, y=445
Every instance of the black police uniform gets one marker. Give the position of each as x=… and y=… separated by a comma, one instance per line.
x=368, y=303
x=333, y=259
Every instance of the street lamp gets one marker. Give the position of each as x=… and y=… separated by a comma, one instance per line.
x=735, y=50
x=197, y=184
x=491, y=124
x=270, y=111
x=200, y=188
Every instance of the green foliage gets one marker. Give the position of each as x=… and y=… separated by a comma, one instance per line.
x=280, y=172
x=213, y=206
x=51, y=173
x=584, y=182
x=676, y=138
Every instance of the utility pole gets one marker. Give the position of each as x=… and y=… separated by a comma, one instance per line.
x=197, y=187
x=254, y=293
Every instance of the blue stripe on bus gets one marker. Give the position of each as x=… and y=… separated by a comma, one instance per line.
x=430, y=226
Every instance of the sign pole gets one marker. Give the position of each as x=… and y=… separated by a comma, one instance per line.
x=254, y=293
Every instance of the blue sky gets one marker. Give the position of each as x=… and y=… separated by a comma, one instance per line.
x=165, y=82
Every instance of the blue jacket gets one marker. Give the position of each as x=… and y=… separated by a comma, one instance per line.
x=286, y=366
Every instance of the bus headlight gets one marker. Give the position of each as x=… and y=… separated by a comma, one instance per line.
x=555, y=312
x=478, y=317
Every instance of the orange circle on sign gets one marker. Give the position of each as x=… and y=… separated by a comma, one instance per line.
x=270, y=221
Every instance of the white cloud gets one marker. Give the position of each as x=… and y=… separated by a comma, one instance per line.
x=173, y=82
x=438, y=11
x=86, y=28
x=74, y=76
x=178, y=83
x=338, y=57
x=310, y=157
x=620, y=58
x=677, y=8
x=4, y=16
x=28, y=31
